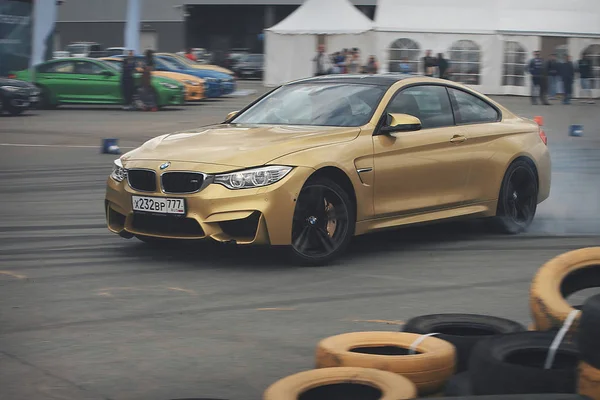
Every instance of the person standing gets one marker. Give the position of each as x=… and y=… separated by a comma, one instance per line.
x=567, y=73
x=584, y=67
x=190, y=55
x=372, y=66
x=552, y=70
x=429, y=64
x=320, y=60
x=405, y=67
x=127, y=80
x=148, y=95
x=536, y=66
x=353, y=64
x=443, y=67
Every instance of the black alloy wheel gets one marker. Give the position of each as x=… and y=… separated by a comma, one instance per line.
x=323, y=222
x=518, y=198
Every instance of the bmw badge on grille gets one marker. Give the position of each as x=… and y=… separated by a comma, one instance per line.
x=165, y=165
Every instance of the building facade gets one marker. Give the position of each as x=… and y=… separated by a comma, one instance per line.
x=172, y=25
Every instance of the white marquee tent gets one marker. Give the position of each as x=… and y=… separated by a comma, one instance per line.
x=488, y=42
x=291, y=45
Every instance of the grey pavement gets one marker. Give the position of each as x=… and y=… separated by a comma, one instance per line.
x=87, y=315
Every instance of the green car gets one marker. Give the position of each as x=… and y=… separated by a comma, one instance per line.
x=91, y=81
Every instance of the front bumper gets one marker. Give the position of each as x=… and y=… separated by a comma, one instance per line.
x=20, y=99
x=194, y=93
x=247, y=216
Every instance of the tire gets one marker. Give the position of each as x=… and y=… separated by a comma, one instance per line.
x=15, y=111
x=517, y=200
x=324, y=222
x=459, y=385
x=513, y=364
x=588, y=382
x=462, y=330
x=428, y=369
x=557, y=279
x=342, y=383
x=588, y=337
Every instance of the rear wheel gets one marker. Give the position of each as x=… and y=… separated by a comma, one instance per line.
x=517, y=201
x=323, y=224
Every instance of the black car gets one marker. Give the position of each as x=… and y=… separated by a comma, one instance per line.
x=17, y=96
x=250, y=66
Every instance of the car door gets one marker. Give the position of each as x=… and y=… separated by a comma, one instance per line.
x=57, y=78
x=92, y=83
x=479, y=122
x=423, y=170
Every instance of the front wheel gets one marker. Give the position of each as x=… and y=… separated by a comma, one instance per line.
x=15, y=110
x=517, y=201
x=324, y=221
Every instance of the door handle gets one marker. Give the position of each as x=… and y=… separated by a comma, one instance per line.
x=458, y=139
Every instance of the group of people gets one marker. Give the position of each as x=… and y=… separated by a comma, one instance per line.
x=347, y=61
x=129, y=88
x=552, y=77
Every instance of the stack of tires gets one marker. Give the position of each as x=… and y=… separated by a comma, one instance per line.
x=468, y=355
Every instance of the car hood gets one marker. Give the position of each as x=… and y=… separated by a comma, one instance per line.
x=14, y=82
x=239, y=145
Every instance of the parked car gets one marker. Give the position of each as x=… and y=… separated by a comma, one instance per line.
x=92, y=81
x=250, y=66
x=194, y=87
x=194, y=64
x=16, y=96
x=202, y=55
x=115, y=51
x=318, y=161
x=60, y=54
x=226, y=82
x=234, y=57
x=85, y=49
x=212, y=87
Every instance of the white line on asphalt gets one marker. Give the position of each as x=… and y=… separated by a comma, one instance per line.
x=56, y=145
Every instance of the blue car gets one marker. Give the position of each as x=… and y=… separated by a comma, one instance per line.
x=226, y=82
x=212, y=85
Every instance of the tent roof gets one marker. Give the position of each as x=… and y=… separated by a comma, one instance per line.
x=324, y=17
x=476, y=16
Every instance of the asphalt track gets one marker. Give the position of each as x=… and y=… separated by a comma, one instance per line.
x=87, y=315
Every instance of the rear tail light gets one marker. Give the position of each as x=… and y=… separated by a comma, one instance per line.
x=12, y=76
x=543, y=136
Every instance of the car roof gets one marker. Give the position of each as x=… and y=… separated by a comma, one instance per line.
x=386, y=80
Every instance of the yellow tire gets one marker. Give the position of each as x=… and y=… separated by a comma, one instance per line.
x=429, y=369
x=531, y=327
x=588, y=383
x=334, y=382
x=549, y=308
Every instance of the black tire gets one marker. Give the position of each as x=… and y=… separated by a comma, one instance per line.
x=324, y=221
x=15, y=110
x=462, y=330
x=517, y=200
x=514, y=364
x=459, y=385
x=588, y=337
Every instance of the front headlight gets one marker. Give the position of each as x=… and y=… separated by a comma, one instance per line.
x=10, y=88
x=118, y=173
x=253, y=178
x=169, y=85
x=211, y=80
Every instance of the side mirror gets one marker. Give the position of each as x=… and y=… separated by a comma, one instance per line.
x=400, y=123
x=231, y=115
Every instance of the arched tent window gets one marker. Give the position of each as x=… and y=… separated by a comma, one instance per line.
x=593, y=53
x=404, y=49
x=515, y=61
x=464, y=62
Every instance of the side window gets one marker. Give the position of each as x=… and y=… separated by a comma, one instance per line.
x=470, y=109
x=65, y=67
x=430, y=104
x=87, y=68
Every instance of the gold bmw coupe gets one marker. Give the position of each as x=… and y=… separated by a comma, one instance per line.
x=317, y=161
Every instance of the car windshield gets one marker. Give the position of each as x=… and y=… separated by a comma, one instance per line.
x=108, y=65
x=174, y=63
x=77, y=48
x=118, y=65
x=319, y=104
x=252, y=58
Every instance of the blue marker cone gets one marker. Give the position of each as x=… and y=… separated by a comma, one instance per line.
x=110, y=146
x=576, y=130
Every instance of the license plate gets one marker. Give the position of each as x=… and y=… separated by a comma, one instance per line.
x=158, y=205
x=34, y=99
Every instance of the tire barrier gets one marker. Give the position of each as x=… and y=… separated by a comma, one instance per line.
x=462, y=330
x=342, y=383
x=588, y=336
x=459, y=385
x=515, y=364
x=556, y=280
x=588, y=381
x=428, y=369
